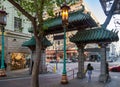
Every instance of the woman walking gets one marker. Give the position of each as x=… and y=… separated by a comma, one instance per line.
x=89, y=71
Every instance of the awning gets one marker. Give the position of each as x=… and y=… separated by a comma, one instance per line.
x=32, y=42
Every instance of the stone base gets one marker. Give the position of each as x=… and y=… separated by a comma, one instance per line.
x=104, y=78
x=64, y=79
x=80, y=75
x=42, y=72
x=2, y=73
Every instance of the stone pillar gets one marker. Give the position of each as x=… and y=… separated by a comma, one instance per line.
x=103, y=75
x=43, y=68
x=80, y=73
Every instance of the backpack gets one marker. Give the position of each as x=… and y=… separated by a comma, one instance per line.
x=90, y=68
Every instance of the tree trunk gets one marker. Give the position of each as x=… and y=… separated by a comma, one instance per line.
x=36, y=63
x=35, y=71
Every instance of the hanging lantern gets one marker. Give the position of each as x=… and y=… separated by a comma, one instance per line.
x=3, y=17
x=65, y=10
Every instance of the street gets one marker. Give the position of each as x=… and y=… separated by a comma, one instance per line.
x=48, y=80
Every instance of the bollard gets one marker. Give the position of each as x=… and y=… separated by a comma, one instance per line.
x=73, y=73
x=54, y=69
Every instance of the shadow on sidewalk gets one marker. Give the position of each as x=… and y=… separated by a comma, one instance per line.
x=81, y=83
x=16, y=74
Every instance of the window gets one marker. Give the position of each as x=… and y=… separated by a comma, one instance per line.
x=17, y=24
x=58, y=42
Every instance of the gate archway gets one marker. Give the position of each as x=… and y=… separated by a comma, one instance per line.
x=100, y=36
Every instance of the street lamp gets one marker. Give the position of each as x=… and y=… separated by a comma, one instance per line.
x=64, y=9
x=2, y=24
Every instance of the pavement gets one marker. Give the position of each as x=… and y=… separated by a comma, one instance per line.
x=16, y=74
x=53, y=80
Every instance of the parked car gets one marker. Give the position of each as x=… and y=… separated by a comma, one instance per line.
x=53, y=61
x=115, y=68
x=74, y=59
x=68, y=61
x=110, y=60
x=61, y=61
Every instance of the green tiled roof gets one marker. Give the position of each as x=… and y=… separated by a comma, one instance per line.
x=32, y=42
x=75, y=16
x=76, y=19
x=94, y=36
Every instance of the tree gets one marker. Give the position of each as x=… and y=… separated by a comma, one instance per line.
x=34, y=10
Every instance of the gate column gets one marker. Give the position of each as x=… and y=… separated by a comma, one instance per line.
x=80, y=73
x=103, y=75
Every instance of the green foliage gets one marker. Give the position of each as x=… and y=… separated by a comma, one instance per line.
x=1, y=1
x=49, y=5
x=28, y=5
x=69, y=2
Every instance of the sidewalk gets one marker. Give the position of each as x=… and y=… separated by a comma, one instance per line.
x=16, y=74
x=53, y=80
x=83, y=83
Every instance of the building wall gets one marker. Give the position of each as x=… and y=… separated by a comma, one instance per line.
x=13, y=44
x=13, y=12
x=14, y=39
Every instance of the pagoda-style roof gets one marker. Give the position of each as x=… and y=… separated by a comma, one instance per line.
x=94, y=36
x=32, y=42
x=77, y=20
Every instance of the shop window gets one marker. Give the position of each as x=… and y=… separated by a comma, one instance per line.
x=58, y=42
x=18, y=61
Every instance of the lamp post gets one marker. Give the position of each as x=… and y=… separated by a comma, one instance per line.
x=2, y=24
x=56, y=59
x=64, y=9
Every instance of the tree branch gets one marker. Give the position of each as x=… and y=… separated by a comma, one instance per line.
x=30, y=17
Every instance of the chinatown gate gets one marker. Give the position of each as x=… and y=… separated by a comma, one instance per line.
x=88, y=31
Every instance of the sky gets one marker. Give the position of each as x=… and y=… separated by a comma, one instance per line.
x=95, y=7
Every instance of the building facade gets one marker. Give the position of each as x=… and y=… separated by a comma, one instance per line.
x=16, y=32
x=56, y=50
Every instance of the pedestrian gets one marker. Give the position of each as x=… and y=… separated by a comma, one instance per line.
x=31, y=67
x=107, y=73
x=107, y=68
x=89, y=71
x=5, y=64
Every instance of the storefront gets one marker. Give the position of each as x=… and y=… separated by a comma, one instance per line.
x=18, y=60
x=15, y=54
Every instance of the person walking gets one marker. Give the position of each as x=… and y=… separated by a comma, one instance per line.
x=89, y=71
x=107, y=68
x=108, y=79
